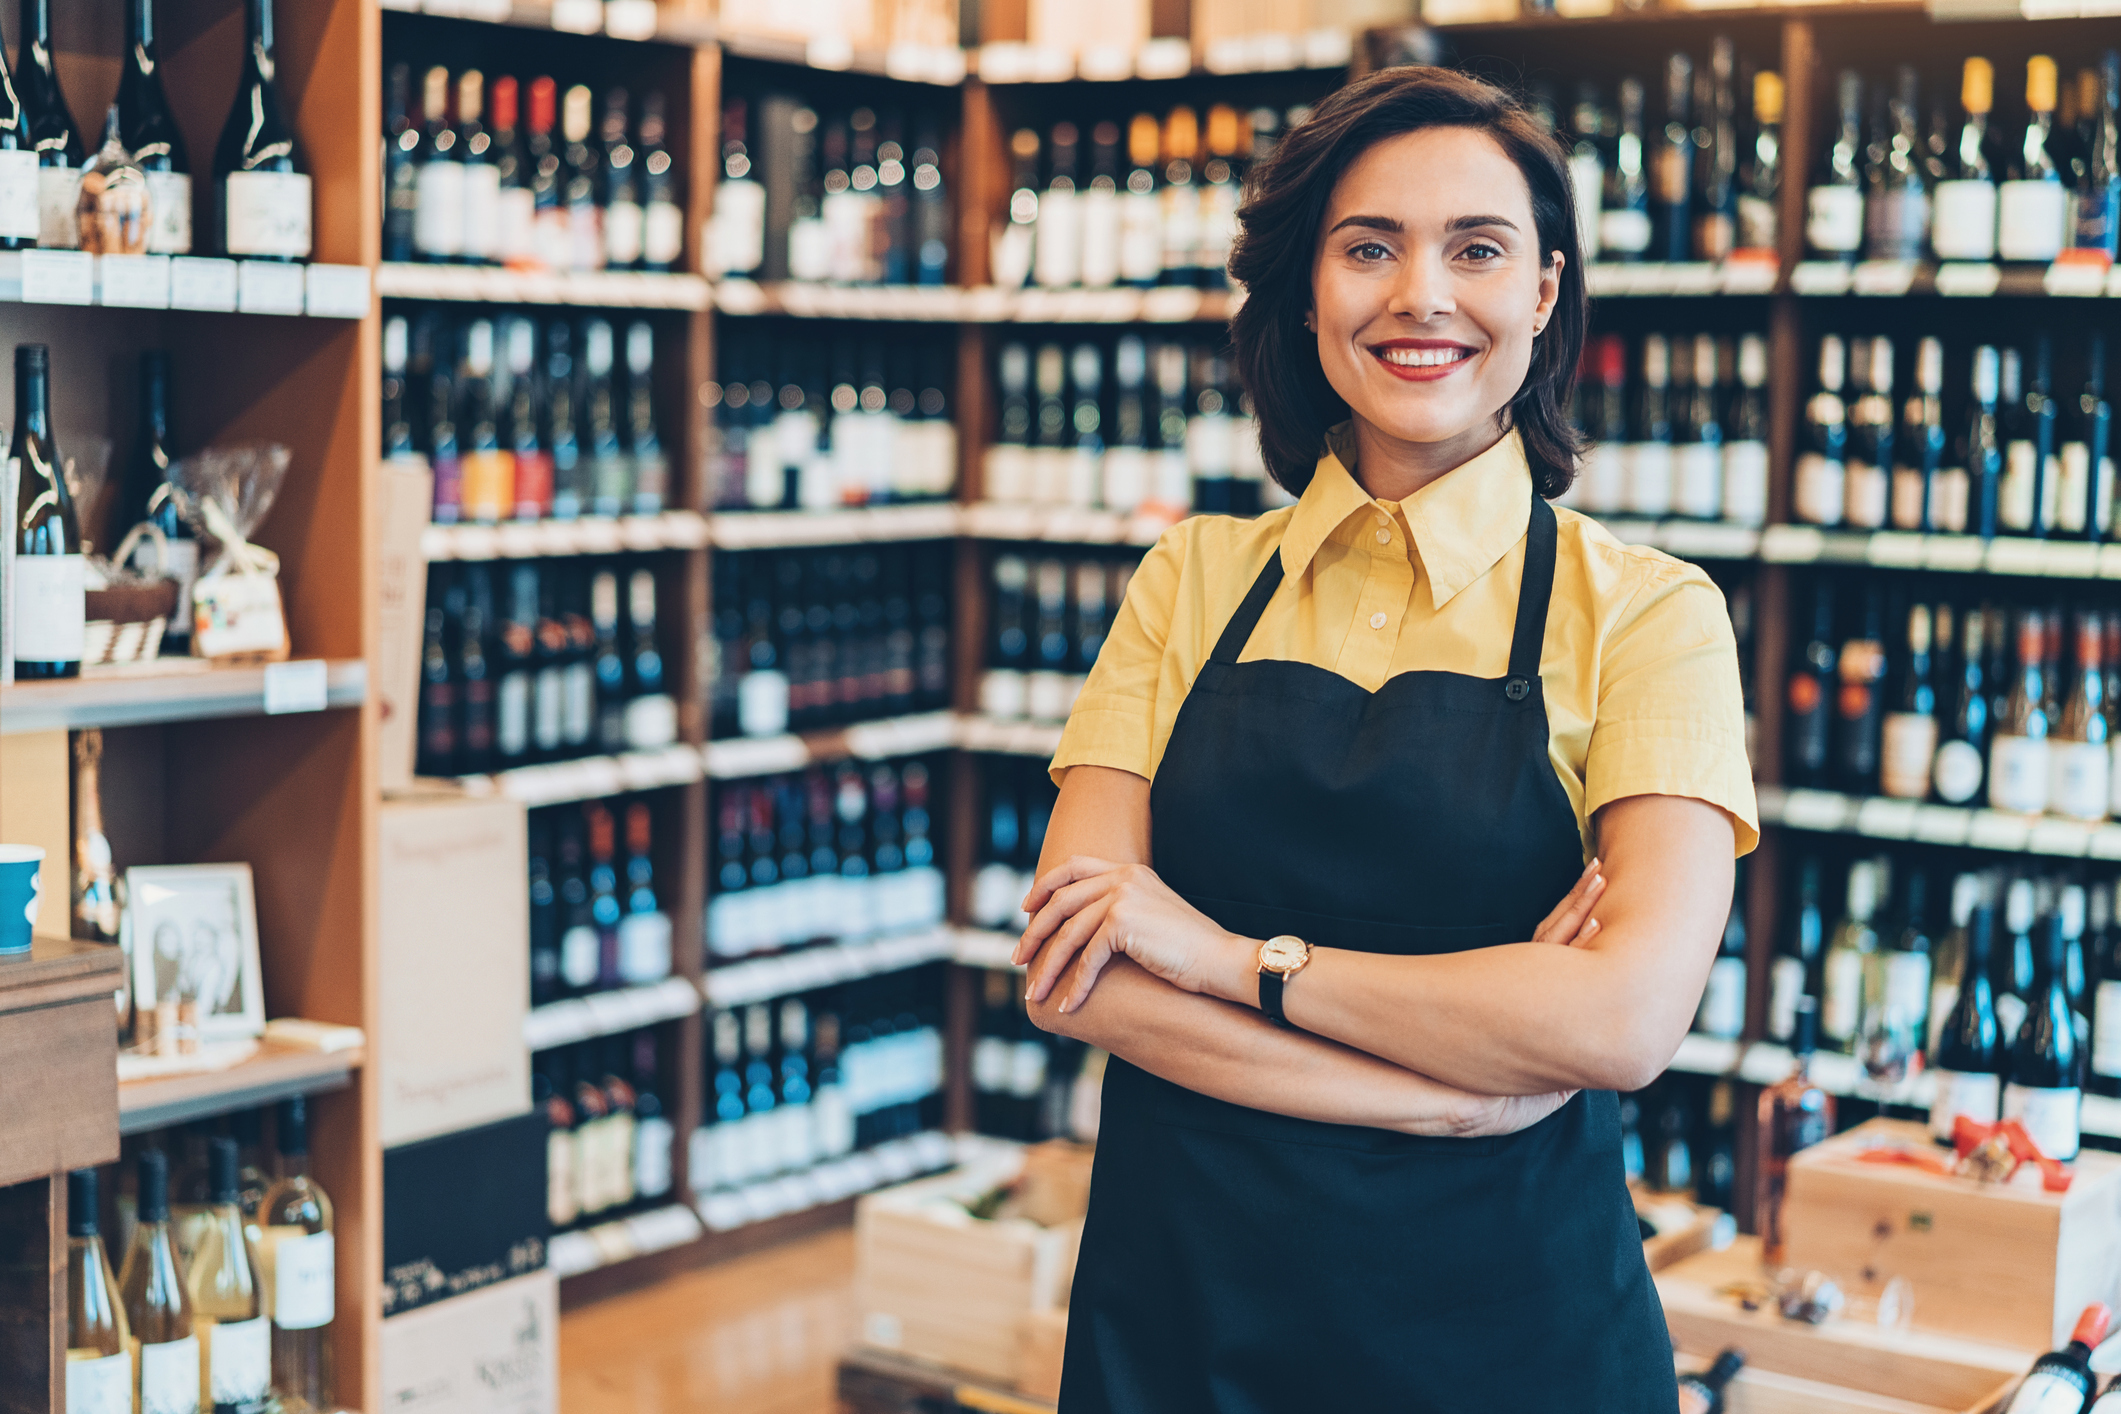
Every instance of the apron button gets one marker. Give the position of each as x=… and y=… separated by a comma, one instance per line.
x=1517, y=689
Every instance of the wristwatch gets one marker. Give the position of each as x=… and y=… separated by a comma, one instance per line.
x=1280, y=958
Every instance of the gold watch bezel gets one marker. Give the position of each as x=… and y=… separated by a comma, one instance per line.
x=1275, y=954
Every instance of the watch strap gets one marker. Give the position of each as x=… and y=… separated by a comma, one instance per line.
x=1270, y=988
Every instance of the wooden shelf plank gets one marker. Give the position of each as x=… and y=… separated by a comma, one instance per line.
x=483, y=284
x=170, y=690
x=274, y=1073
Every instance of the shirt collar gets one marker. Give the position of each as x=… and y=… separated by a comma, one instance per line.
x=1460, y=524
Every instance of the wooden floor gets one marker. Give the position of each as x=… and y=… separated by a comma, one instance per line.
x=758, y=1335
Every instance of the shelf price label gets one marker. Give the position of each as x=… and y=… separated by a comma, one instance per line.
x=578, y=16
x=58, y=277
x=134, y=281
x=268, y=287
x=298, y=686
x=336, y=291
x=197, y=282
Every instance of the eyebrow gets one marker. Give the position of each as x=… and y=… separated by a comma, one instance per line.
x=1394, y=227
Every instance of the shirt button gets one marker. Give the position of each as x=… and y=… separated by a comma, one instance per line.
x=1377, y=621
x=1384, y=537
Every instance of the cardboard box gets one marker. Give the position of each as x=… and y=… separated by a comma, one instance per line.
x=2009, y=1263
x=1847, y=1364
x=494, y=1351
x=463, y=1211
x=452, y=930
x=404, y=504
x=935, y=1283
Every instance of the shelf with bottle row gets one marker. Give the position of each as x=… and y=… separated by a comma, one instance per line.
x=551, y=539
x=563, y=1023
x=774, y=530
x=493, y=284
x=985, y=948
x=984, y=304
x=1688, y=539
x=1611, y=278
x=208, y=284
x=944, y=65
x=1961, y=827
x=833, y=1181
x=274, y=1071
x=742, y=982
x=607, y=1244
x=1263, y=52
x=1966, y=554
x=615, y=19
x=1065, y=525
x=1891, y=279
x=180, y=690
x=1007, y=736
x=1482, y=19
x=591, y=777
x=734, y=758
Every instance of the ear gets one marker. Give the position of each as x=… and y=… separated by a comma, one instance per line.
x=1549, y=292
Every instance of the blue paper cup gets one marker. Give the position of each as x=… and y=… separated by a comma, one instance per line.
x=20, y=865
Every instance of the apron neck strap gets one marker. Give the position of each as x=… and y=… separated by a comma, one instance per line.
x=1238, y=631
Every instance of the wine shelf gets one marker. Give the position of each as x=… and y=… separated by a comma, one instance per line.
x=608, y=289
x=1829, y=279
x=1003, y=736
x=608, y=1013
x=986, y=304
x=735, y=758
x=276, y=1072
x=1964, y=554
x=1612, y=279
x=623, y=1239
x=1068, y=525
x=761, y=530
x=893, y=1161
x=591, y=777
x=616, y=19
x=209, y=284
x=543, y=539
x=985, y=948
x=1833, y=813
x=180, y=690
x=739, y=983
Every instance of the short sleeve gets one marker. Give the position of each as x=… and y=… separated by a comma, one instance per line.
x=1114, y=720
x=1671, y=712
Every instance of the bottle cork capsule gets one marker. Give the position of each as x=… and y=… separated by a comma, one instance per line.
x=1767, y=96
x=2040, y=84
x=1978, y=86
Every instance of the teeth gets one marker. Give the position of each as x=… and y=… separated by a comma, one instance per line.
x=1423, y=358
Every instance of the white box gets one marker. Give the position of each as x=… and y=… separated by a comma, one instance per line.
x=491, y=1351
x=453, y=924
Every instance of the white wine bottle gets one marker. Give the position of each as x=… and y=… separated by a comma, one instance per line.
x=99, y=1357
x=157, y=1307
x=235, y=1336
x=298, y=1266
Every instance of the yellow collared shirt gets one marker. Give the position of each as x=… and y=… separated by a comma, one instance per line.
x=1640, y=667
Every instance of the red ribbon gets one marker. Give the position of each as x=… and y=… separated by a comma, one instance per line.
x=1969, y=1135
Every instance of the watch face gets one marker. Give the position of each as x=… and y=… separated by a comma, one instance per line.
x=1281, y=954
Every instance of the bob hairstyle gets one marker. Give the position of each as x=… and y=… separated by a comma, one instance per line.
x=1277, y=357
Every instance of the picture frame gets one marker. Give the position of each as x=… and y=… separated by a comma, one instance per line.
x=192, y=930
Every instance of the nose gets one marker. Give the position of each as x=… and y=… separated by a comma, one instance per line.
x=1424, y=291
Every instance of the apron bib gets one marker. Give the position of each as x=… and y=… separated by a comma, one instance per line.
x=1241, y=1262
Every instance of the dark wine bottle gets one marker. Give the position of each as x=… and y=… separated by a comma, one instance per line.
x=149, y=496
x=1703, y=1393
x=2043, y=1093
x=1968, y=1056
x=662, y=218
x=51, y=130
x=50, y=583
x=437, y=754
x=620, y=186
x=18, y=167
x=1810, y=690
x=2063, y=1379
x=262, y=193
x=150, y=133
x=401, y=169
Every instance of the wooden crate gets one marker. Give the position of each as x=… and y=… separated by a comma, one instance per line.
x=1846, y=1364
x=937, y=1284
x=1704, y=1228
x=1045, y=1340
x=59, y=1049
x=2009, y=1263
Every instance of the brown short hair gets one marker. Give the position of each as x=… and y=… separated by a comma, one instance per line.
x=1285, y=203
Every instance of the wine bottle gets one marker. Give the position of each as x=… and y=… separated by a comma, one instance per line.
x=1794, y=1114
x=1671, y=165
x=1858, y=700
x=487, y=469
x=474, y=673
x=437, y=753
x=1822, y=471
x=549, y=1089
x=150, y=134
x=1141, y=239
x=1900, y=219
x=235, y=1331
x=1910, y=733
x=1963, y=220
x=95, y=882
x=1649, y=462
x=1716, y=155
x=99, y=1361
x=1722, y=1010
x=579, y=163
x=1810, y=709
x=550, y=242
x=1703, y=1393
x=1848, y=958
x=653, y=1134
x=438, y=223
x=624, y=228
x=20, y=216
x=297, y=1264
x=1099, y=202
x=662, y=218
x=481, y=229
x=2013, y=968
x=1179, y=196
x=1833, y=224
x=1057, y=257
x=1624, y=225
x=1870, y=433
x=1918, y=452
x=1984, y=446
x=1949, y=964
x=50, y=574
x=2033, y=206
x=931, y=210
x=1745, y=449
x=263, y=193
x=2062, y=1380
x=1968, y=1054
x=1760, y=193
x=2019, y=774
x=570, y=490
x=2042, y=1092
x=1698, y=463
x=51, y=132
x=2078, y=751
x=2104, y=962
x=515, y=207
x=158, y=1307
x=2084, y=498
x=401, y=169
x=1790, y=976
x=2098, y=195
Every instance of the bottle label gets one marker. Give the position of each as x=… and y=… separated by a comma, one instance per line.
x=50, y=608
x=1958, y=772
x=99, y=1384
x=1722, y=1011
x=2106, y=1030
x=1844, y=994
x=169, y=211
x=1785, y=986
x=239, y=1364
x=1866, y=495
x=2081, y=777
x=662, y=234
x=1027, y=1072
x=1141, y=238
x=21, y=216
x=169, y=1377
x=58, y=193
x=482, y=210
x=1756, y=223
x=652, y=1139
x=2049, y=1392
x=1822, y=489
x=1963, y=220
x=1697, y=487
x=2018, y=774
x=1907, y=992
x=1833, y=219
x=1910, y=751
x=2032, y=219
x=515, y=224
x=303, y=1277
x=580, y=955
x=1745, y=483
x=268, y=214
x=1649, y=478
x=1978, y=1097
x=644, y=947
x=1624, y=232
x=623, y=234
x=487, y=485
x=2049, y=1117
x=762, y=703
x=438, y=219
x=559, y=1178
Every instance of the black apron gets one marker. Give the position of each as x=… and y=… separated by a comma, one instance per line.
x=1242, y=1262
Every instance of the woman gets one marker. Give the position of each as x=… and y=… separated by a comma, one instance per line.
x=1317, y=877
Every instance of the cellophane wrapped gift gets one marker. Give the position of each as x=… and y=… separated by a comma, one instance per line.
x=224, y=493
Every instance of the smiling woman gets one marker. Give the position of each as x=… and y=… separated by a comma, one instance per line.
x=1317, y=872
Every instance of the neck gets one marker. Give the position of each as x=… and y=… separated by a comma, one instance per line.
x=1392, y=468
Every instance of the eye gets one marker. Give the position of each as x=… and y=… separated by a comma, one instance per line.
x=1369, y=251
x=1482, y=250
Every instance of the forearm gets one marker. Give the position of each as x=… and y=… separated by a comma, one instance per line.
x=1233, y=1053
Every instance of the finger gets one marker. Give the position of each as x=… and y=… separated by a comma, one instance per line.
x=1058, y=908
x=1568, y=917
x=1584, y=934
x=1078, y=866
x=1052, y=963
x=1583, y=881
x=1104, y=945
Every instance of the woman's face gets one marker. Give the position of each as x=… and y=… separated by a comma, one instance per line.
x=1428, y=289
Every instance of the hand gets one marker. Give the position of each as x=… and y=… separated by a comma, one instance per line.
x=1104, y=910
x=1485, y=1116
x=1571, y=924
